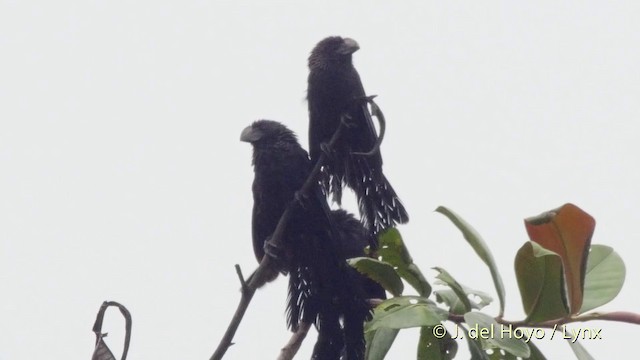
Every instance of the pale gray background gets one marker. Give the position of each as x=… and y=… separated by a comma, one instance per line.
x=123, y=177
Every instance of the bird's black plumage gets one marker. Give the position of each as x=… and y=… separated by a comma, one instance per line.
x=334, y=89
x=323, y=289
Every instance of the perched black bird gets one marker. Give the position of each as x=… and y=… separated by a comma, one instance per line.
x=334, y=89
x=323, y=289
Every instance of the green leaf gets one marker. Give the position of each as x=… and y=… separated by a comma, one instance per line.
x=392, y=250
x=428, y=345
x=379, y=271
x=475, y=347
x=580, y=351
x=405, y=312
x=487, y=329
x=480, y=247
x=379, y=342
x=604, y=277
x=499, y=354
x=541, y=283
x=450, y=298
x=455, y=286
x=536, y=354
x=567, y=231
x=431, y=347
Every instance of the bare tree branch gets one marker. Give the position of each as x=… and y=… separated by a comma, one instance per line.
x=377, y=113
x=292, y=347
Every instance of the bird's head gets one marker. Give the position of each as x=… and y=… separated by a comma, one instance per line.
x=267, y=133
x=334, y=49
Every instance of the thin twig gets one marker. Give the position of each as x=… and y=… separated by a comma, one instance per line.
x=375, y=111
x=265, y=270
x=374, y=302
x=241, y=278
x=292, y=347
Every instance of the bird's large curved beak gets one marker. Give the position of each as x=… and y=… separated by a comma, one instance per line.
x=249, y=134
x=348, y=47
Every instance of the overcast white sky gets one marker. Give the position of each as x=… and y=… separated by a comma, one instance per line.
x=122, y=177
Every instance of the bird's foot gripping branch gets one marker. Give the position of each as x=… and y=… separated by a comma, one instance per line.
x=558, y=256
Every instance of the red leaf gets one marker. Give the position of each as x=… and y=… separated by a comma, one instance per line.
x=566, y=231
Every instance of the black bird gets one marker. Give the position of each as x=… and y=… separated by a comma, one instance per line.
x=323, y=289
x=334, y=90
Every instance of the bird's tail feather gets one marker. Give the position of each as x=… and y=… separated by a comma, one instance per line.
x=380, y=206
x=353, y=325
x=330, y=340
x=300, y=301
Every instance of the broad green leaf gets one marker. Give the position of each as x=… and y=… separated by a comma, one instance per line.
x=540, y=279
x=455, y=286
x=392, y=250
x=432, y=347
x=499, y=354
x=449, y=297
x=475, y=346
x=480, y=247
x=567, y=231
x=536, y=354
x=379, y=342
x=580, y=351
x=428, y=345
x=405, y=312
x=381, y=272
x=604, y=277
x=487, y=329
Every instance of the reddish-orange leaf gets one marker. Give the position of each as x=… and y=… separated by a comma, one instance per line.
x=566, y=231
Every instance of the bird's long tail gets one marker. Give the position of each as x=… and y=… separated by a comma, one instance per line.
x=353, y=326
x=342, y=340
x=380, y=207
x=330, y=340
